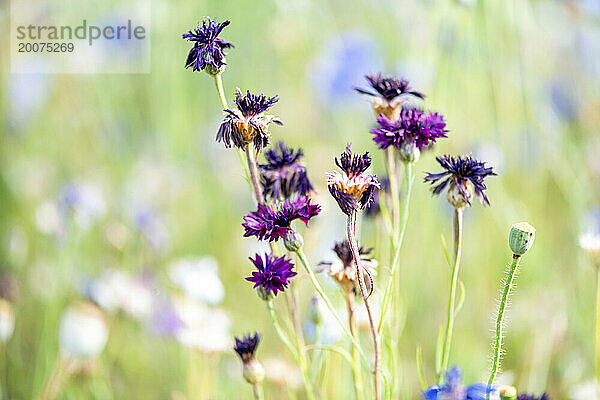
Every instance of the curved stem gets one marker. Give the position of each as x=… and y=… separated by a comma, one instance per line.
x=356, y=374
x=408, y=181
x=499, y=320
x=597, y=334
x=351, y=231
x=458, y=222
x=328, y=303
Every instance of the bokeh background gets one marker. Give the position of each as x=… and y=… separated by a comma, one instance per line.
x=113, y=188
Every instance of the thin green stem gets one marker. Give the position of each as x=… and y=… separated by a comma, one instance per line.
x=390, y=164
x=351, y=232
x=597, y=333
x=257, y=391
x=356, y=373
x=408, y=181
x=458, y=223
x=328, y=303
x=296, y=353
x=512, y=273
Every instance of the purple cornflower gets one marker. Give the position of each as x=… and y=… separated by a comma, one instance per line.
x=389, y=94
x=453, y=389
x=273, y=273
x=283, y=175
x=525, y=396
x=464, y=174
x=353, y=187
x=246, y=346
x=209, y=50
x=413, y=127
x=271, y=224
x=248, y=124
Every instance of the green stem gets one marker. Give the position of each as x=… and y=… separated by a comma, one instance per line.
x=408, y=181
x=223, y=100
x=328, y=303
x=297, y=354
x=356, y=373
x=597, y=334
x=257, y=391
x=499, y=320
x=458, y=223
x=390, y=164
x=254, y=178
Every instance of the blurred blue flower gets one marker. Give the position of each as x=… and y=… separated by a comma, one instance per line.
x=563, y=101
x=165, y=321
x=84, y=200
x=344, y=60
x=453, y=389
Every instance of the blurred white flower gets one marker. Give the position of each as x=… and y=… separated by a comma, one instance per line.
x=82, y=332
x=584, y=391
x=48, y=219
x=198, y=278
x=85, y=200
x=282, y=373
x=7, y=321
x=492, y=153
x=590, y=242
x=203, y=328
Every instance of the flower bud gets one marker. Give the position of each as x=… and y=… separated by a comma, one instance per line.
x=83, y=332
x=458, y=199
x=293, y=241
x=315, y=314
x=409, y=152
x=253, y=372
x=263, y=294
x=508, y=393
x=521, y=237
x=7, y=321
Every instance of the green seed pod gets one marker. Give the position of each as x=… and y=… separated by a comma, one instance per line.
x=521, y=237
x=409, y=152
x=508, y=393
x=253, y=372
x=293, y=241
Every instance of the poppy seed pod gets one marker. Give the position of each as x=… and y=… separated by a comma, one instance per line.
x=508, y=393
x=521, y=237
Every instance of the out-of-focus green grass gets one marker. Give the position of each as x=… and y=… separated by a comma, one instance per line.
x=487, y=67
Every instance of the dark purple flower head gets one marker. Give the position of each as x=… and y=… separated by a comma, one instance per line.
x=273, y=274
x=462, y=175
x=353, y=187
x=389, y=95
x=525, y=396
x=246, y=346
x=284, y=175
x=248, y=124
x=271, y=224
x=413, y=126
x=209, y=50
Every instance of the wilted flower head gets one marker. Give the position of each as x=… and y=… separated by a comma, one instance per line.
x=246, y=346
x=284, y=175
x=414, y=128
x=267, y=223
x=353, y=187
x=209, y=50
x=525, y=396
x=464, y=175
x=83, y=332
x=342, y=270
x=273, y=273
x=248, y=124
x=453, y=389
x=388, y=95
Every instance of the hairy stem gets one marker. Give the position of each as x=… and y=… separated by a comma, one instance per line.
x=512, y=272
x=351, y=231
x=458, y=223
x=328, y=303
x=408, y=180
x=356, y=373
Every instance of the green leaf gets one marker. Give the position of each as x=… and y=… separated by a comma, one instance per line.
x=446, y=251
x=420, y=367
x=461, y=299
x=438, y=351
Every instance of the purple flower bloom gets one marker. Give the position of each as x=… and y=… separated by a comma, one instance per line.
x=273, y=273
x=388, y=95
x=525, y=396
x=283, y=175
x=453, y=389
x=353, y=188
x=246, y=346
x=209, y=50
x=413, y=126
x=274, y=223
x=463, y=174
x=248, y=124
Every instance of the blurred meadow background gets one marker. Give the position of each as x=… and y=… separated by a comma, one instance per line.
x=112, y=188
